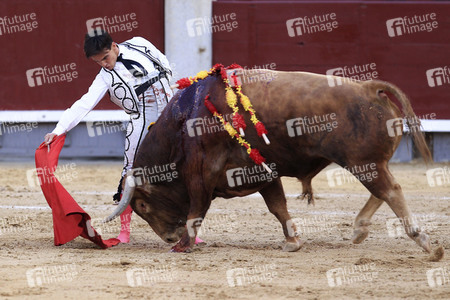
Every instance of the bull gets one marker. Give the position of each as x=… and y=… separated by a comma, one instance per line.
x=363, y=116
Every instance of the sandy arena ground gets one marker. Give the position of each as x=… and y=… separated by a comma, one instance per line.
x=240, y=233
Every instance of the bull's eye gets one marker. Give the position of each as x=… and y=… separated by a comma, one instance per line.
x=142, y=206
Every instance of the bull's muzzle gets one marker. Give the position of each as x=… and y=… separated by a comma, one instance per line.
x=174, y=236
x=130, y=185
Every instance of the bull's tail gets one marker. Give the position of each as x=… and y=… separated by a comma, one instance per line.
x=412, y=121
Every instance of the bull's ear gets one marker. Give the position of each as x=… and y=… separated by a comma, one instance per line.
x=145, y=189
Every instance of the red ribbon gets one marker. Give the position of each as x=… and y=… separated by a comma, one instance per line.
x=210, y=106
x=238, y=121
x=256, y=156
x=260, y=128
x=183, y=83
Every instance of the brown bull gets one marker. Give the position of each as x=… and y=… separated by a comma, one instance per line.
x=293, y=106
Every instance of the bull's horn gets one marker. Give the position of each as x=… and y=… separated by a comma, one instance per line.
x=130, y=185
x=174, y=86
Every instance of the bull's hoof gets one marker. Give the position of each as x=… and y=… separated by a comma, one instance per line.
x=423, y=241
x=359, y=235
x=179, y=249
x=292, y=247
x=184, y=244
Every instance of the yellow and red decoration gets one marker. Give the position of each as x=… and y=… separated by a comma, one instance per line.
x=232, y=93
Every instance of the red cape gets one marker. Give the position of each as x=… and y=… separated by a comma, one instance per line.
x=69, y=219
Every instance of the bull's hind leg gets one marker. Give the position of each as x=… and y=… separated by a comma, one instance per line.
x=385, y=187
x=362, y=220
x=275, y=199
x=307, y=191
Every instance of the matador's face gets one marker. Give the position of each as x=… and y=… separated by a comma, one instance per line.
x=108, y=57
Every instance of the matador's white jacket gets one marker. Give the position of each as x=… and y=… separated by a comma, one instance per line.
x=120, y=84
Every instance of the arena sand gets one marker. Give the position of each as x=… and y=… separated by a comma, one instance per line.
x=242, y=258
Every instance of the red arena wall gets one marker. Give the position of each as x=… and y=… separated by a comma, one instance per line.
x=42, y=58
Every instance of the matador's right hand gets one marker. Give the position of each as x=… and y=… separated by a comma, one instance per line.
x=49, y=138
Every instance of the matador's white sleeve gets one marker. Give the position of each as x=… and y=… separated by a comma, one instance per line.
x=73, y=115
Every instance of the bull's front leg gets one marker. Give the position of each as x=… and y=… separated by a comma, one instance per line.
x=200, y=201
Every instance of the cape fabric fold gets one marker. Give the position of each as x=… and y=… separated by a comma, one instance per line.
x=69, y=219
